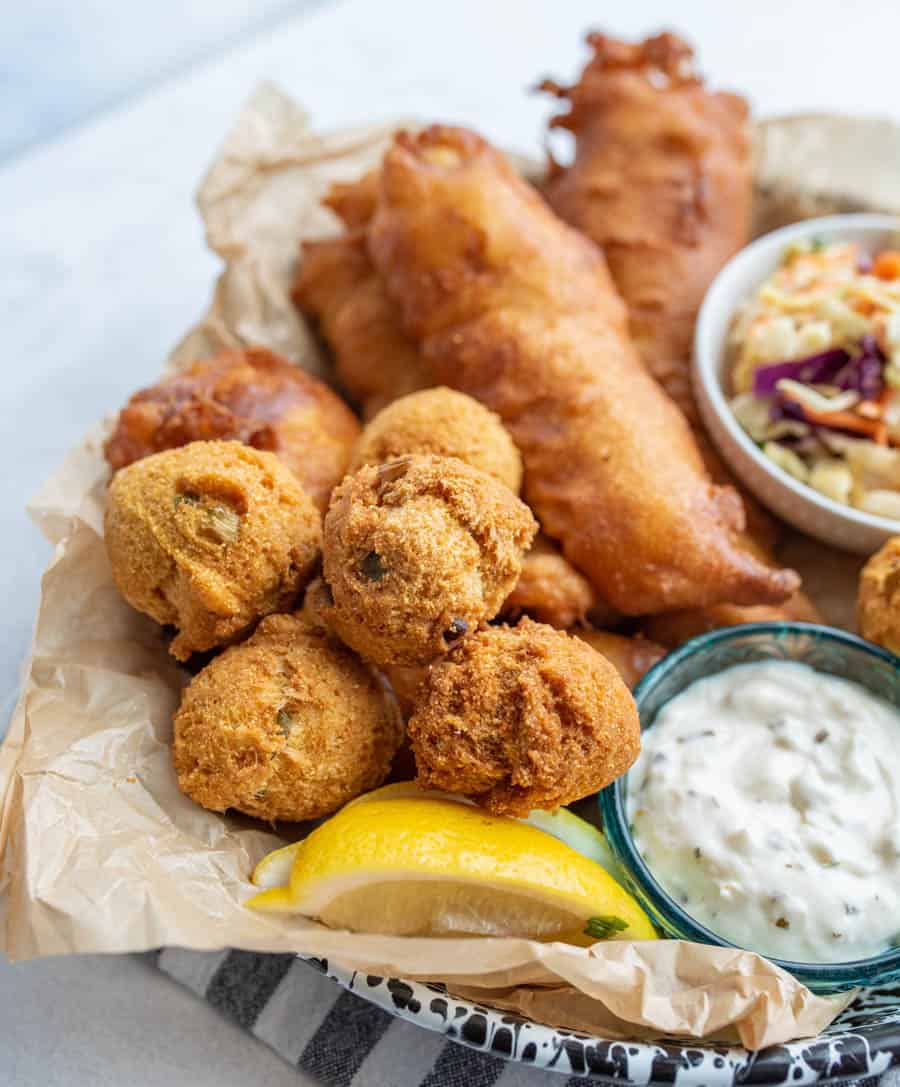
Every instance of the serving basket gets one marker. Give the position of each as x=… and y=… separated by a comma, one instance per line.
x=58, y=910
x=863, y=1041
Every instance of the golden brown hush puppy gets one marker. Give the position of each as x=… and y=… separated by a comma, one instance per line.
x=417, y=552
x=208, y=538
x=878, y=611
x=447, y=424
x=523, y=717
x=252, y=396
x=288, y=725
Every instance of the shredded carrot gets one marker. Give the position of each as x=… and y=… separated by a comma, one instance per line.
x=870, y=409
x=874, y=429
x=865, y=306
x=887, y=264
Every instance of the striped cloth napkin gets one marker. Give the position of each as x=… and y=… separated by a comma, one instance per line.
x=339, y=1039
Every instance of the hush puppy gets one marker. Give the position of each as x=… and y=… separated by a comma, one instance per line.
x=523, y=717
x=447, y=424
x=208, y=538
x=252, y=396
x=417, y=552
x=878, y=610
x=288, y=725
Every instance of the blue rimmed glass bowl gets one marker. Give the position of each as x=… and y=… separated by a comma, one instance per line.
x=826, y=650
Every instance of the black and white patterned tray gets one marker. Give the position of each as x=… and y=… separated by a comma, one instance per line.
x=863, y=1041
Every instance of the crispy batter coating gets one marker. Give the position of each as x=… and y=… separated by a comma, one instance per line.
x=662, y=180
x=417, y=552
x=288, y=725
x=338, y=288
x=878, y=609
x=209, y=537
x=550, y=589
x=518, y=310
x=354, y=201
x=762, y=531
x=252, y=396
x=447, y=424
x=523, y=717
x=632, y=656
x=676, y=627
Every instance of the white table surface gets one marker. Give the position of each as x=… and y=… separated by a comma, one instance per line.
x=66, y=63
x=104, y=267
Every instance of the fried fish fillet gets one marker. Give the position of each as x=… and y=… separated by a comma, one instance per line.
x=550, y=590
x=677, y=627
x=662, y=181
x=632, y=657
x=378, y=363
x=354, y=201
x=517, y=309
x=339, y=289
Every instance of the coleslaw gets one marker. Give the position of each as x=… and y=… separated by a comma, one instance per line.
x=815, y=372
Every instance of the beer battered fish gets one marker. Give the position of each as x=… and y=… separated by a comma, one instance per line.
x=515, y=308
x=337, y=287
x=378, y=363
x=552, y=591
x=632, y=657
x=662, y=181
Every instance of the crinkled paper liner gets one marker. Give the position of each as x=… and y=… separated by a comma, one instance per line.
x=101, y=852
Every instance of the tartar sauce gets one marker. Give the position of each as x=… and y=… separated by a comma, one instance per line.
x=766, y=801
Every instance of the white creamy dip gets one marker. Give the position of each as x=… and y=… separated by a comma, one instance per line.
x=766, y=800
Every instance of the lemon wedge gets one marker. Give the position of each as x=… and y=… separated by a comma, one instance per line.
x=563, y=824
x=577, y=833
x=276, y=899
x=274, y=870
x=420, y=866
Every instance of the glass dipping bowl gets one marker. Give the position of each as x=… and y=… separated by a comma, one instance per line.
x=820, y=647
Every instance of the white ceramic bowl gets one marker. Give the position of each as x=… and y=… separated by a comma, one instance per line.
x=799, y=505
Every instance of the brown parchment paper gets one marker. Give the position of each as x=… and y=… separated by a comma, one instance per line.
x=101, y=852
